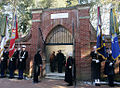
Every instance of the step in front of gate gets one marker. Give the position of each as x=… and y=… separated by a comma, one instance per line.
x=55, y=75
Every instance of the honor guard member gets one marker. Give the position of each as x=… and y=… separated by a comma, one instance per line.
x=95, y=66
x=4, y=61
x=68, y=70
x=12, y=63
x=37, y=66
x=22, y=61
x=109, y=68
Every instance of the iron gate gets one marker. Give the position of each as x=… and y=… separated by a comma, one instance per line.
x=59, y=36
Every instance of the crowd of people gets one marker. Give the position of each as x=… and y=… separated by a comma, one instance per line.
x=57, y=61
x=96, y=67
x=17, y=61
x=61, y=61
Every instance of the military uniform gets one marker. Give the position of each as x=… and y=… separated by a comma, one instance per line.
x=12, y=63
x=22, y=63
x=4, y=60
x=109, y=70
x=95, y=67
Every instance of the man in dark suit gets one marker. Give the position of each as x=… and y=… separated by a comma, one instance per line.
x=60, y=60
x=37, y=66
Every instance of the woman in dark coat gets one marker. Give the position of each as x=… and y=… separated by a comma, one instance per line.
x=68, y=70
x=37, y=66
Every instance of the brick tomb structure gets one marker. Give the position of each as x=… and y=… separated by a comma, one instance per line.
x=66, y=29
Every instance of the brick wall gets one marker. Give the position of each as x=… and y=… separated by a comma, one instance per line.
x=80, y=16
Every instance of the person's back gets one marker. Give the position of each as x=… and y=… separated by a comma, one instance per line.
x=37, y=66
x=60, y=61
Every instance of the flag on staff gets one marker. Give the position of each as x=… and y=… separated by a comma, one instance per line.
x=14, y=36
x=101, y=49
x=5, y=38
x=113, y=32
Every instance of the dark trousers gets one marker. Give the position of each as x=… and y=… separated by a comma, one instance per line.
x=20, y=74
x=35, y=78
x=11, y=73
x=60, y=67
x=111, y=80
x=3, y=72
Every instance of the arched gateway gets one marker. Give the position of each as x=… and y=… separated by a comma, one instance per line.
x=52, y=29
x=58, y=39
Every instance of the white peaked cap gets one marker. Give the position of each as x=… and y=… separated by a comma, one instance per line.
x=23, y=46
x=70, y=54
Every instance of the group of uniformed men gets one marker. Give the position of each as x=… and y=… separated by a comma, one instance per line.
x=96, y=67
x=17, y=61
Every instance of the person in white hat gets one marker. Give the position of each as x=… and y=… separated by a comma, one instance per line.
x=95, y=66
x=22, y=61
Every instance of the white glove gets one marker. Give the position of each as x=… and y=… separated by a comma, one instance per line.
x=70, y=66
x=97, y=61
x=22, y=57
x=110, y=64
x=2, y=58
x=11, y=59
x=20, y=60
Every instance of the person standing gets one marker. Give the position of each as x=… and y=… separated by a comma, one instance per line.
x=12, y=63
x=60, y=61
x=4, y=62
x=95, y=66
x=68, y=70
x=22, y=61
x=52, y=61
x=109, y=69
x=37, y=66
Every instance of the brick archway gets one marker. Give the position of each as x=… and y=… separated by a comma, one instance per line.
x=47, y=20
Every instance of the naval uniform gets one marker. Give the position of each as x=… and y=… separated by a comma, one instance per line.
x=22, y=63
x=109, y=70
x=96, y=67
x=12, y=63
x=4, y=61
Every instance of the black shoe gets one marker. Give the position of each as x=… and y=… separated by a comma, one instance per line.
x=35, y=82
x=112, y=85
x=20, y=78
x=70, y=85
x=11, y=77
x=97, y=84
x=2, y=76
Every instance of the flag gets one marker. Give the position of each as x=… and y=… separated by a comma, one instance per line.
x=2, y=26
x=14, y=36
x=5, y=38
x=113, y=32
x=101, y=49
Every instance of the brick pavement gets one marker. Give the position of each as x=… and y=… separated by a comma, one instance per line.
x=44, y=83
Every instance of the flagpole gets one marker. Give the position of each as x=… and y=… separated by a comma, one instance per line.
x=74, y=64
